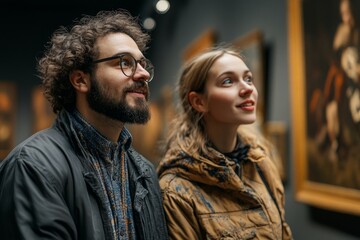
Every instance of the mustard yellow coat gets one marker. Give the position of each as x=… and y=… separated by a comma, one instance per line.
x=206, y=199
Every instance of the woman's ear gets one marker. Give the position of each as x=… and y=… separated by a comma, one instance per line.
x=197, y=101
x=80, y=80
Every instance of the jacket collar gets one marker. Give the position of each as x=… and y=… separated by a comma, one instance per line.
x=218, y=170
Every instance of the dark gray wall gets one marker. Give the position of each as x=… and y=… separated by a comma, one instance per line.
x=24, y=32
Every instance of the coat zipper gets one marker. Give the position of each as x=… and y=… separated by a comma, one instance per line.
x=272, y=197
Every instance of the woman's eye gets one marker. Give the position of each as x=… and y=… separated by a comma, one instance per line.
x=249, y=79
x=227, y=81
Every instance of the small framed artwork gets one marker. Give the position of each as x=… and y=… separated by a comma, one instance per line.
x=148, y=139
x=43, y=115
x=251, y=47
x=204, y=41
x=325, y=91
x=7, y=117
x=276, y=134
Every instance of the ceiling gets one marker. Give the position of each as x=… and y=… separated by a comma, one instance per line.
x=134, y=6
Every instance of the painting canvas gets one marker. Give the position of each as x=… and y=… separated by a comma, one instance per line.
x=325, y=90
x=7, y=117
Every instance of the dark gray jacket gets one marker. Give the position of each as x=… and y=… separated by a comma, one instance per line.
x=47, y=193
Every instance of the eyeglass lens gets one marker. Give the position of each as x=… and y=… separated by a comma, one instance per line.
x=128, y=65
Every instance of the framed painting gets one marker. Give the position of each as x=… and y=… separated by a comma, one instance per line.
x=43, y=114
x=325, y=90
x=204, y=41
x=251, y=46
x=276, y=133
x=148, y=139
x=7, y=117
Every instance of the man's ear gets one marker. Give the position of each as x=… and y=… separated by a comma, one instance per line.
x=197, y=101
x=80, y=80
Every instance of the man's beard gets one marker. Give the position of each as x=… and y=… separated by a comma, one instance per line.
x=120, y=110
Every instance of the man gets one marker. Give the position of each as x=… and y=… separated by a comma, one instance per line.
x=81, y=179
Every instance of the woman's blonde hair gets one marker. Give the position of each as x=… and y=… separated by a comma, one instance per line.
x=187, y=130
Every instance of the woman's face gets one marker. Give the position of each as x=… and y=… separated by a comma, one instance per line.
x=230, y=96
x=345, y=12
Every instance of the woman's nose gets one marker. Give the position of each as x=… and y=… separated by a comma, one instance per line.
x=246, y=90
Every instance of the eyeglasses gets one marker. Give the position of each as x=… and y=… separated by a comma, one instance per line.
x=128, y=64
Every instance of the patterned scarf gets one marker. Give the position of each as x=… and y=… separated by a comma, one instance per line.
x=238, y=155
x=108, y=162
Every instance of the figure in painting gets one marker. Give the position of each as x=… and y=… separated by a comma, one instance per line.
x=340, y=97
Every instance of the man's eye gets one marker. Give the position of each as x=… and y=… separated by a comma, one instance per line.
x=125, y=63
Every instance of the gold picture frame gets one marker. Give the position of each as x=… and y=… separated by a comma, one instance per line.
x=7, y=117
x=204, y=41
x=325, y=132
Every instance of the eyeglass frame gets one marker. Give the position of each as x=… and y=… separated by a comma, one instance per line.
x=136, y=61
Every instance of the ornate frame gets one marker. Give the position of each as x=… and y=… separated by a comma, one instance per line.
x=320, y=179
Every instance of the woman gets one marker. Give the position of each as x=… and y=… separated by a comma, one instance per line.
x=217, y=181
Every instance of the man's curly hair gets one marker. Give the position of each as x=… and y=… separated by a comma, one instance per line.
x=74, y=49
